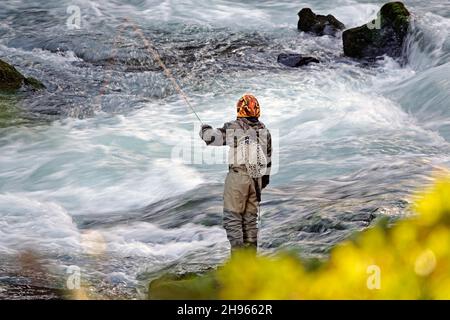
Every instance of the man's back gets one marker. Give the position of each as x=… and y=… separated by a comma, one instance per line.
x=232, y=134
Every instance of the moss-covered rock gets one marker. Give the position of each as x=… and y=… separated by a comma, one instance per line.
x=385, y=35
x=34, y=83
x=12, y=80
x=186, y=286
x=318, y=24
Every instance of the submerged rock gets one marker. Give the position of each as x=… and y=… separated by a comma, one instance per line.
x=13, y=80
x=318, y=24
x=295, y=60
x=385, y=35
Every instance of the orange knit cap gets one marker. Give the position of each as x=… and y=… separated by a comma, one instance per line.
x=248, y=106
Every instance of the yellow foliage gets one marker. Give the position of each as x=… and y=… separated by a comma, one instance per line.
x=410, y=260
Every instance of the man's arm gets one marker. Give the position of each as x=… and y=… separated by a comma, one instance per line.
x=214, y=137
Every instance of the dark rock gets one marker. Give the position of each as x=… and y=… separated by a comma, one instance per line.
x=13, y=80
x=318, y=24
x=385, y=35
x=295, y=60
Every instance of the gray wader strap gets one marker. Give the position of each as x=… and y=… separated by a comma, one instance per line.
x=257, y=189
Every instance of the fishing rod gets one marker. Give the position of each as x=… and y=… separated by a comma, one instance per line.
x=148, y=45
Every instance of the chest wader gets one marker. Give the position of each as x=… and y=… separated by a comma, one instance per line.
x=242, y=195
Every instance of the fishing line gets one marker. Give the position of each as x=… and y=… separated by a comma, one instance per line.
x=150, y=47
x=107, y=80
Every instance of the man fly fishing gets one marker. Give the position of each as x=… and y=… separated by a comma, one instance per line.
x=249, y=161
x=249, y=165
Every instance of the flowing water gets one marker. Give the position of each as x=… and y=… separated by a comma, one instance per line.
x=91, y=173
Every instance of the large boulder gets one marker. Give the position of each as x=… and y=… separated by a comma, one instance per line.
x=318, y=24
x=385, y=35
x=295, y=60
x=13, y=80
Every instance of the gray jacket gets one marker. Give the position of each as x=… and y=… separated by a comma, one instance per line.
x=230, y=135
